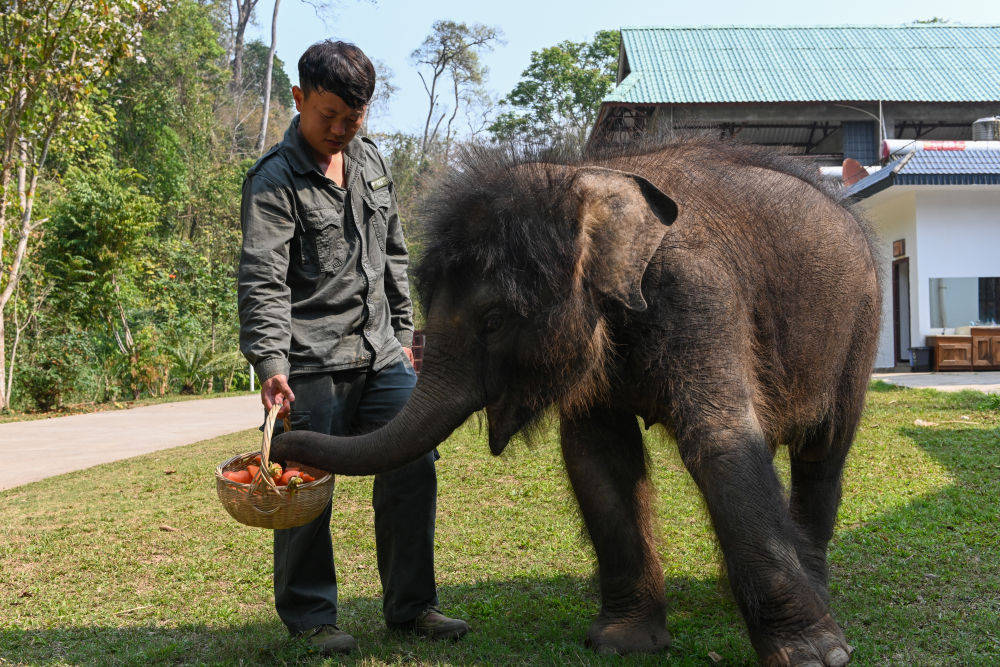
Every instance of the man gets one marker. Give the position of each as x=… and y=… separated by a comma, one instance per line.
x=326, y=321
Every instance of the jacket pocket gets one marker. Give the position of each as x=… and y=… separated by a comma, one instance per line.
x=378, y=203
x=323, y=244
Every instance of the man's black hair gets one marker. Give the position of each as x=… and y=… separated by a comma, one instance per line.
x=339, y=68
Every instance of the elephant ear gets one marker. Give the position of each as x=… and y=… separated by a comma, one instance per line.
x=622, y=219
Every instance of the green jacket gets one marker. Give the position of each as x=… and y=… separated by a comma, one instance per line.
x=322, y=276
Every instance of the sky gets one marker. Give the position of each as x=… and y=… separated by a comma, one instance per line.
x=389, y=30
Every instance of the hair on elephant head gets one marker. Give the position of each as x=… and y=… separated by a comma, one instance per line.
x=532, y=255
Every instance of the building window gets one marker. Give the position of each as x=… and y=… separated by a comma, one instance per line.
x=962, y=302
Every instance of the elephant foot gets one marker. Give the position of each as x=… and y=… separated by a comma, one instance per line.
x=617, y=636
x=821, y=644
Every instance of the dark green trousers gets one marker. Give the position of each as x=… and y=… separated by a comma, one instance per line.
x=405, y=502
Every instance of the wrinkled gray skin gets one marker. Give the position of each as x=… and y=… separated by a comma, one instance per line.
x=743, y=318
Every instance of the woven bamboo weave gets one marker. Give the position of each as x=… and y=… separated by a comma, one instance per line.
x=262, y=504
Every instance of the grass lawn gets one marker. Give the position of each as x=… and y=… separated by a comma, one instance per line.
x=87, y=574
x=86, y=408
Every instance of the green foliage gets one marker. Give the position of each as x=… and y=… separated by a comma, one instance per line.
x=49, y=377
x=255, y=71
x=55, y=57
x=195, y=364
x=100, y=232
x=164, y=105
x=560, y=92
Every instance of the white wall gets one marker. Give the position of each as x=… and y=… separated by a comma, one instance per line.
x=958, y=236
x=892, y=214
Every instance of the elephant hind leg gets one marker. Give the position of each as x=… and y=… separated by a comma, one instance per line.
x=817, y=466
x=730, y=460
x=606, y=462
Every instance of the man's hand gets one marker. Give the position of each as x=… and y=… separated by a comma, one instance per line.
x=275, y=391
x=408, y=351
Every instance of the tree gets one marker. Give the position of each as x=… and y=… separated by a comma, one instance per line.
x=98, y=253
x=560, y=92
x=452, y=51
x=240, y=14
x=55, y=56
x=267, y=79
x=255, y=71
x=165, y=125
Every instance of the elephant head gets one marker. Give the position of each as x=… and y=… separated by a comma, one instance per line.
x=522, y=266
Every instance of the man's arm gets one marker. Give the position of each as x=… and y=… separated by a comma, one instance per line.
x=397, y=286
x=266, y=216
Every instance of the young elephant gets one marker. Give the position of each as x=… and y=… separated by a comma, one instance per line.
x=706, y=287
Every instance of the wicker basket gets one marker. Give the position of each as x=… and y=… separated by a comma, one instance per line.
x=264, y=505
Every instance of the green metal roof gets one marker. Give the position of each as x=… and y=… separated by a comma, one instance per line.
x=719, y=64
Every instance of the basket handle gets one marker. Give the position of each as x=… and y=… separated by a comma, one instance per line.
x=265, y=450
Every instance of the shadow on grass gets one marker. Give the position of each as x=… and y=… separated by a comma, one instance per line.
x=526, y=620
x=915, y=585
x=918, y=585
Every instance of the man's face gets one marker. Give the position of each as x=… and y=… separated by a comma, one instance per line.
x=326, y=122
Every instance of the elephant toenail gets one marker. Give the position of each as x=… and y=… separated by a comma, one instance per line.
x=837, y=657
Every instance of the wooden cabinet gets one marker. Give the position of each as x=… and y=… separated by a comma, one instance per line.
x=985, y=348
x=979, y=351
x=951, y=353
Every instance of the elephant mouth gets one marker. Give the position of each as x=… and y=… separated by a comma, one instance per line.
x=505, y=420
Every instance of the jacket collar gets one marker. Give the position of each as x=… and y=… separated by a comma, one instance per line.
x=300, y=155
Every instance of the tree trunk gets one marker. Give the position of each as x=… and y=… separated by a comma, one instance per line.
x=4, y=395
x=454, y=112
x=267, y=79
x=432, y=97
x=26, y=189
x=244, y=10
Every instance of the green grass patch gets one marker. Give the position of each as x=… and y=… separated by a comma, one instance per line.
x=88, y=576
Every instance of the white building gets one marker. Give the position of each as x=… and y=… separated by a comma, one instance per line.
x=937, y=216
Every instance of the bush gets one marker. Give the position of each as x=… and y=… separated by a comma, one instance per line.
x=49, y=377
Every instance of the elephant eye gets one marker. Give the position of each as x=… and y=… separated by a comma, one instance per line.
x=492, y=322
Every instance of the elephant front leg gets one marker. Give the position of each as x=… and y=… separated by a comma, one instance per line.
x=606, y=463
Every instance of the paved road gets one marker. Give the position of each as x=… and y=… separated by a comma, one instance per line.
x=48, y=447
x=987, y=381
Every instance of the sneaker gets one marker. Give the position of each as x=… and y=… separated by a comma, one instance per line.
x=431, y=623
x=328, y=639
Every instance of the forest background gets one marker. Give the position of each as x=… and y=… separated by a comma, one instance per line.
x=127, y=128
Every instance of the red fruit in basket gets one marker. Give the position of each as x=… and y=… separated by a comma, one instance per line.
x=287, y=475
x=293, y=483
x=306, y=477
x=275, y=471
x=252, y=470
x=256, y=460
x=239, y=476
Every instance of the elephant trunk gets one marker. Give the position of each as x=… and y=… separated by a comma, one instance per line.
x=434, y=410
